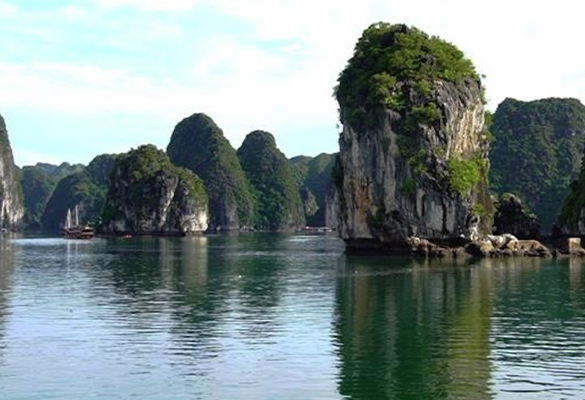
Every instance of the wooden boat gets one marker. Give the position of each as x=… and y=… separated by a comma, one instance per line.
x=73, y=229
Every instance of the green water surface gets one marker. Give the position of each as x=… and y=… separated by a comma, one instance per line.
x=277, y=316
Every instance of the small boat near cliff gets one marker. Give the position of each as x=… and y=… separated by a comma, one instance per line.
x=73, y=229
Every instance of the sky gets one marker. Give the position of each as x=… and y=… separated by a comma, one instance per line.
x=83, y=78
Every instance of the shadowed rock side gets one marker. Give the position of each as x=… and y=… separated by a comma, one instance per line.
x=513, y=217
x=198, y=144
x=11, y=203
x=536, y=152
x=279, y=205
x=149, y=195
x=413, y=150
x=572, y=217
x=313, y=175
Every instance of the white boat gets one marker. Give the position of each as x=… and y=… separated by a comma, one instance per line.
x=73, y=229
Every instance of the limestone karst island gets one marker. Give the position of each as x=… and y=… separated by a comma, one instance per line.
x=423, y=168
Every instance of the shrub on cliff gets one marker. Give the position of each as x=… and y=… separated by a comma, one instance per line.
x=536, y=152
x=279, y=205
x=198, y=144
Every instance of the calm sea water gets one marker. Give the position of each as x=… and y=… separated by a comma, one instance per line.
x=261, y=316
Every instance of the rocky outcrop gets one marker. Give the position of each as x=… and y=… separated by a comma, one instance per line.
x=199, y=145
x=11, y=204
x=507, y=245
x=513, y=217
x=413, y=150
x=149, y=195
x=492, y=246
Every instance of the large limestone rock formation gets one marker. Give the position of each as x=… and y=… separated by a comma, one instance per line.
x=279, y=205
x=413, y=150
x=149, y=195
x=198, y=144
x=11, y=205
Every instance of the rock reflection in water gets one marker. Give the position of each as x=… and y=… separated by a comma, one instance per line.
x=408, y=329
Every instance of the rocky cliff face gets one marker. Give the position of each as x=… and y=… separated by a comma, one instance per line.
x=413, y=150
x=149, y=195
x=11, y=205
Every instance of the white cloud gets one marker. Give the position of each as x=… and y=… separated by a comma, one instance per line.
x=72, y=12
x=81, y=74
x=152, y=5
x=7, y=9
x=160, y=30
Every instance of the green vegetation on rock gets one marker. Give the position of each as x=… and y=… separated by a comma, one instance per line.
x=385, y=58
x=313, y=175
x=279, y=205
x=536, y=153
x=464, y=174
x=37, y=187
x=86, y=189
x=198, y=144
x=38, y=182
